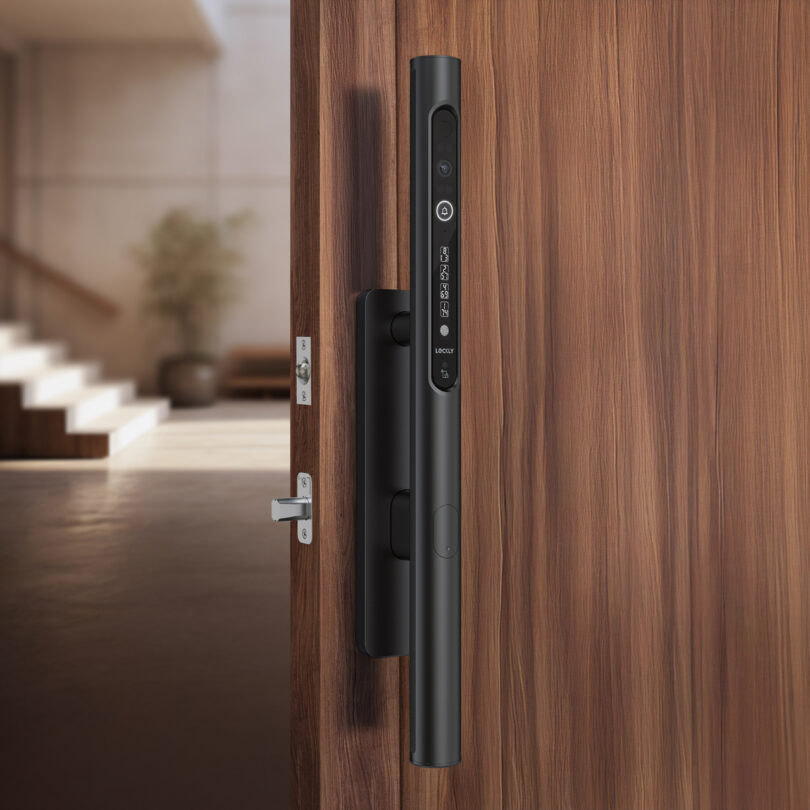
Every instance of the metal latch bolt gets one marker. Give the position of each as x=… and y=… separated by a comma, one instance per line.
x=298, y=508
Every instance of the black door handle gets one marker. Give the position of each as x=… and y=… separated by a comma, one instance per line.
x=435, y=475
x=411, y=588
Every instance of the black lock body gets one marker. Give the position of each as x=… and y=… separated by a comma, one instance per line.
x=409, y=434
x=435, y=440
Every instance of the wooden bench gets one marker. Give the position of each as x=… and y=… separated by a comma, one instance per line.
x=258, y=371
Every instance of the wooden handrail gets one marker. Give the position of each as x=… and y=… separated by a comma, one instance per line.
x=58, y=279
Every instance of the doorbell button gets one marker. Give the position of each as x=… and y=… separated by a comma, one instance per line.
x=444, y=211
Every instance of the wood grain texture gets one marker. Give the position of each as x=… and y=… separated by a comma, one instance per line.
x=635, y=405
x=345, y=705
x=305, y=595
x=636, y=402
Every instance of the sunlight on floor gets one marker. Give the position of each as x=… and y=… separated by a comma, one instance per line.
x=230, y=436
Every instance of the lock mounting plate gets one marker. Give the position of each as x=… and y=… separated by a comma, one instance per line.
x=383, y=471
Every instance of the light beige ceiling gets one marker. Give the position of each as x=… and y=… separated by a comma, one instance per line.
x=192, y=21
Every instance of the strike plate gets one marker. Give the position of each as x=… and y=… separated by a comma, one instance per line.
x=305, y=491
x=303, y=371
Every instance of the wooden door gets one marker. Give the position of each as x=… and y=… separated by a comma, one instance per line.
x=636, y=399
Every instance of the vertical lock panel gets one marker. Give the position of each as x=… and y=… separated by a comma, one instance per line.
x=435, y=476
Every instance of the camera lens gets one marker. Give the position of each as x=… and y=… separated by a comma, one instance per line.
x=444, y=168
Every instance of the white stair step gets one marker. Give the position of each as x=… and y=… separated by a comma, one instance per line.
x=19, y=362
x=43, y=385
x=127, y=423
x=12, y=334
x=83, y=405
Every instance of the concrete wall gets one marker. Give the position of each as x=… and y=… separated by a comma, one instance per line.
x=110, y=137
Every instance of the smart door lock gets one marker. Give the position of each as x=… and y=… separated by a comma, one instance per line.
x=409, y=434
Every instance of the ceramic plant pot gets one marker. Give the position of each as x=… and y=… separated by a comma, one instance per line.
x=189, y=381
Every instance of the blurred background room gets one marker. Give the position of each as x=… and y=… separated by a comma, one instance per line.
x=144, y=403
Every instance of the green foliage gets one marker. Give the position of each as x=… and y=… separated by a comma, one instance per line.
x=190, y=273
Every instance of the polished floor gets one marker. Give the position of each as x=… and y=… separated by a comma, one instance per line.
x=144, y=621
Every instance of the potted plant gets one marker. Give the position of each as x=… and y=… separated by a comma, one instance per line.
x=190, y=278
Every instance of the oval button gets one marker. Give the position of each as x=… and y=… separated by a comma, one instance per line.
x=445, y=531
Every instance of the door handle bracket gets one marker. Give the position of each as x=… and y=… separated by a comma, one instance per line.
x=383, y=473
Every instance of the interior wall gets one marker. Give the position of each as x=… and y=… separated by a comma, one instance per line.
x=109, y=138
x=6, y=173
x=6, y=140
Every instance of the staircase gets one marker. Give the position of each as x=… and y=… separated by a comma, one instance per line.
x=54, y=408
